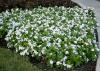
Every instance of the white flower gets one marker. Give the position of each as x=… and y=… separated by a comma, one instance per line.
x=65, y=45
x=56, y=30
x=75, y=52
x=39, y=22
x=83, y=53
x=92, y=49
x=69, y=66
x=58, y=63
x=66, y=52
x=35, y=37
x=17, y=32
x=25, y=39
x=63, y=18
x=86, y=43
x=48, y=44
x=21, y=48
x=9, y=32
x=58, y=44
x=24, y=52
x=65, y=58
x=58, y=40
x=51, y=53
x=43, y=50
x=26, y=32
x=18, y=38
x=51, y=62
x=35, y=52
x=7, y=38
x=73, y=46
x=64, y=64
x=86, y=11
x=82, y=26
x=75, y=42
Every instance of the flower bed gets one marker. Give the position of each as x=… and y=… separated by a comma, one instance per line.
x=62, y=37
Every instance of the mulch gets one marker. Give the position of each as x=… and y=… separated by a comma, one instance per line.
x=29, y=4
x=3, y=42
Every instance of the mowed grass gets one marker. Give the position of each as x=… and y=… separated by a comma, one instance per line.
x=10, y=61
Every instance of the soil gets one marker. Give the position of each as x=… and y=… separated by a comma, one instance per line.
x=3, y=42
x=29, y=4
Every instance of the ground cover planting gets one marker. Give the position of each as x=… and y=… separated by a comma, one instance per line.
x=58, y=36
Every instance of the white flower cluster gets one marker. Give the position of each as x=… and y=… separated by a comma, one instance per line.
x=63, y=35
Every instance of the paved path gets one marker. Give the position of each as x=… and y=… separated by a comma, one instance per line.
x=96, y=5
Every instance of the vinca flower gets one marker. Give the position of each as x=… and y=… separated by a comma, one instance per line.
x=66, y=52
x=51, y=62
x=58, y=63
x=69, y=66
x=24, y=52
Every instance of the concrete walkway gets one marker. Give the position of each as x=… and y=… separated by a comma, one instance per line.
x=96, y=5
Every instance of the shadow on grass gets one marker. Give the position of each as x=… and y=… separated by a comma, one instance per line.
x=10, y=61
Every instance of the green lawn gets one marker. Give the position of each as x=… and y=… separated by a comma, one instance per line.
x=10, y=61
